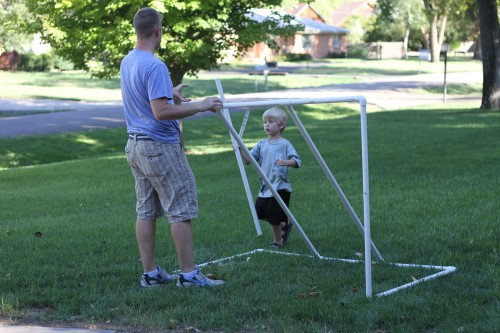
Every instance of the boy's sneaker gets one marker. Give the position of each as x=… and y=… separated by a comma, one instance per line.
x=198, y=280
x=275, y=245
x=156, y=281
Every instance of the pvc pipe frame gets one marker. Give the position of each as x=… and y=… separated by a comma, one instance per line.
x=444, y=270
x=365, y=230
x=226, y=117
x=369, y=246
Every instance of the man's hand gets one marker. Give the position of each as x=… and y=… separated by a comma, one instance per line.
x=178, y=97
x=212, y=104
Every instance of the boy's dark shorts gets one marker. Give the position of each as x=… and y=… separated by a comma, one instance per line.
x=269, y=209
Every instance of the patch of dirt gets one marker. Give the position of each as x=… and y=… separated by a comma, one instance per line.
x=39, y=317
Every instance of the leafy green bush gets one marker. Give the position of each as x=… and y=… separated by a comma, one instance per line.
x=296, y=57
x=31, y=62
x=357, y=51
x=335, y=55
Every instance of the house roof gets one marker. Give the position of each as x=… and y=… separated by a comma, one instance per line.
x=305, y=10
x=310, y=26
x=344, y=11
x=313, y=26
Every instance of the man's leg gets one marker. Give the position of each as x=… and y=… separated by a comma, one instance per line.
x=145, y=232
x=182, y=235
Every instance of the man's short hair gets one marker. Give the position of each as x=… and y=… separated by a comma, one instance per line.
x=146, y=20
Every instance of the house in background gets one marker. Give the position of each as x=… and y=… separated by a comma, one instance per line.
x=341, y=14
x=318, y=39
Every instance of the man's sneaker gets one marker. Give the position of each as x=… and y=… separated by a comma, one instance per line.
x=198, y=280
x=156, y=281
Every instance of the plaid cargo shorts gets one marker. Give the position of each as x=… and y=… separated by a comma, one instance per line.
x=164, y=182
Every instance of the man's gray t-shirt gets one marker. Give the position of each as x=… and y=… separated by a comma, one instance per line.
x=266, y=154
x=144, y=78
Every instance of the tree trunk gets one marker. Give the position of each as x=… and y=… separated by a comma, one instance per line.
x=425, y=36
x=478, y=55
x=435, y=48
x=176, y=73
x=490, y=47
x=444, y=20
x=405, y=43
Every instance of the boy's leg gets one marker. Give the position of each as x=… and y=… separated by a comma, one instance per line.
x=285, y=231
x=281, y=229
x=278, y=233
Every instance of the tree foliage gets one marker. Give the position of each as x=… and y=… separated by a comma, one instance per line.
x=438, y=13
x=396, y=19
x=13, y=13
x=197, y=34
x=431, y=22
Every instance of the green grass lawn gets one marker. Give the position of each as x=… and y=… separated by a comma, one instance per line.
x=69, y=254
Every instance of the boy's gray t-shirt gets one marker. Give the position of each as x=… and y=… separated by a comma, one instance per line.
x=266, y=153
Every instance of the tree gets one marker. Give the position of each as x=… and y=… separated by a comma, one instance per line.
x=13, y=13
x=396, y=19
x=439, y=12
x=197, y=34
x=490, y=44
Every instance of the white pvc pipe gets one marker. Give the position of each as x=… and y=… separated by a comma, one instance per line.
x=295, y=101
x=366, y=200
x=244, y=123
x=227, y=117
x=445, y=270
x=364, y=142
x=331, y=178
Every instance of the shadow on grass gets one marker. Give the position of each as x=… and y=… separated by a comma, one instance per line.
x=62, y=79
x=456, y=89
x=432, y=126
x=6, y=114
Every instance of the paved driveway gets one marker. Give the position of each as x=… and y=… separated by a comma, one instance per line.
x=381, y=94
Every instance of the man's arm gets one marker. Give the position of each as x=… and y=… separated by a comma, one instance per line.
x=162, y=110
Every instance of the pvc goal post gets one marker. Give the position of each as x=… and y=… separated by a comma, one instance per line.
x=364, y=228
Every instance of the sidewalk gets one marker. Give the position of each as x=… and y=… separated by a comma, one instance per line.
x=38, y=329
x=381, y=94
x=66, y=117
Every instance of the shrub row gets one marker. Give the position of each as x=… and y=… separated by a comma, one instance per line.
x=31, y=62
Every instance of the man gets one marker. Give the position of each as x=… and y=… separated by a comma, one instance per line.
x=164, y=182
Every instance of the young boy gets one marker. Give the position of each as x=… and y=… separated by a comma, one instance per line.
x=274, y=155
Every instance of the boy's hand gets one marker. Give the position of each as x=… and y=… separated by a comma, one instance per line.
x=291, y=162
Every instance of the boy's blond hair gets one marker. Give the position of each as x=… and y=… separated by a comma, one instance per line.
x=277, y=114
